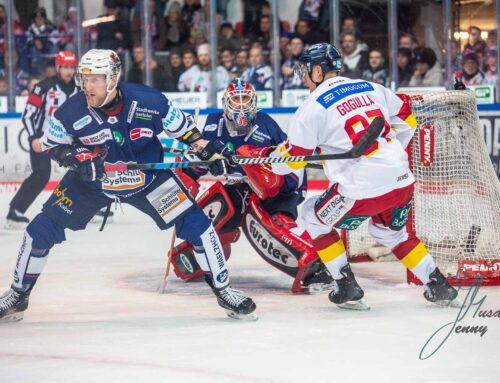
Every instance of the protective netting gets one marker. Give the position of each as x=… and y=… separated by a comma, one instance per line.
x=456, y=208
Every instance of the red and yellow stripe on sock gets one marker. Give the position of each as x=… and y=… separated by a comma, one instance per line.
x=329, y=247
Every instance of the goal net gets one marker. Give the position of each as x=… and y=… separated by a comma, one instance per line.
x=456, y=210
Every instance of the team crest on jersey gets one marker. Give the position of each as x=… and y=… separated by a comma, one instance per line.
x=112, y=120
x=118, y=137
x=97, y=138
x=82, y=122
x=137, y=133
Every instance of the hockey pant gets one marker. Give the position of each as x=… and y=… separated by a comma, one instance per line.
x=74, y=202
x=291, y=251
x=388, y=217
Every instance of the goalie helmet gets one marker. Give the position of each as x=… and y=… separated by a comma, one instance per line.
x=325, y=55
x=100, y=61
x=240, y=107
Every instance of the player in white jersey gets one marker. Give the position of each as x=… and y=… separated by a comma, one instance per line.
x=377, y=187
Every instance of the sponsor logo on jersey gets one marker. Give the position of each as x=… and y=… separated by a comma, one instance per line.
x=269, y=246
x=222, y=277
x=426, y=140
x=145, y=113
x=118, y=137
x=137, y=133
x=259, y=136
x=52, y=93
x=340, y=92
x=96, y=116
x=351, y=222
x=82, y=122
x=169, y=200
x=210, y=128
x=63, y=201
x=97, y=138
x=112, y=120
x=219, y=256
x=123, y=180
x=400, y=216
x=131, y=111
x=56, y=130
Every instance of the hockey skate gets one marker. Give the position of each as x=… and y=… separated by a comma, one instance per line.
x=346, y=292
x=235, y=302
x=440, y=292
x=318, y=281
x=13, y=305
x=16, y=220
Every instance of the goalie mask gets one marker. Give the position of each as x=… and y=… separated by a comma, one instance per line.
x=101, y=62
x=240, y=107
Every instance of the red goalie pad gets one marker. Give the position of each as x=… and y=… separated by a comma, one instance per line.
x=261, y=178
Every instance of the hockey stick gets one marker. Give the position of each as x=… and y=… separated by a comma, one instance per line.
x=163, y=284
x=356, y=151
x=192, y=152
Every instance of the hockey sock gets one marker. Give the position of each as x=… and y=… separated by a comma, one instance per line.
x=414, y=255
x=30, y=264
x=331, y=251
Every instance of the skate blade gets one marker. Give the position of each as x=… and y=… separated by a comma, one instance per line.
x=245, y=317
x=316, y=288
x=354, y=305
x=455, y=303
x=15, y=317
x=11, y=225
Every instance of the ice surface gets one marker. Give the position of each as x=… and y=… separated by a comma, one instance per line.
x=95, y=316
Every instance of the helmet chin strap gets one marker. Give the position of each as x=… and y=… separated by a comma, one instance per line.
x=108, y=93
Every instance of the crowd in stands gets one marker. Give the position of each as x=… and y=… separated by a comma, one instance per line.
x=182, y=61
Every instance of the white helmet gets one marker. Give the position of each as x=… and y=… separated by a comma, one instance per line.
x=100, y=61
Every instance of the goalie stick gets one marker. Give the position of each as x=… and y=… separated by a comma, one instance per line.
x=356, y=151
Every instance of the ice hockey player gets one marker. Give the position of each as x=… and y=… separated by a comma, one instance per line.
x=111, y=123
x=262, y=203
x=43, y=101
x=378, y=186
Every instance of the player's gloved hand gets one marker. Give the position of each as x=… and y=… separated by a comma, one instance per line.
x=89, y=165
x=222, y=157
x=459, y=85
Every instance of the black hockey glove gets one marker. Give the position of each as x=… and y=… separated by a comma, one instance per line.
x=222, y=156
x=89, y=165
x=459, y=85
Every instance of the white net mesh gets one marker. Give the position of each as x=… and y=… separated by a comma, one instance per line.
x=456, y=209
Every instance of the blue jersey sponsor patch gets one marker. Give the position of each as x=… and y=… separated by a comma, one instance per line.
x=336, y=94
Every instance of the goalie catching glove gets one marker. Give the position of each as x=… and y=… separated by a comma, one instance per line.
x=89, y=165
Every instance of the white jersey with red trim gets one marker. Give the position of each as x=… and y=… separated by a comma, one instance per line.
x=335, y=116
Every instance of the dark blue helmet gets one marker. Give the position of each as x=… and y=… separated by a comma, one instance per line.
x=323, y=54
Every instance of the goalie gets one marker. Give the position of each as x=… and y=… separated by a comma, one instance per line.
x=262, y=203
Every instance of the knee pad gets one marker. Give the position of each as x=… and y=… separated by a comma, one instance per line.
x=45, y=232
x=386, y=236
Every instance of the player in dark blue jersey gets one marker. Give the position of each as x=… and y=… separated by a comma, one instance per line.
x=263, y=204
x=113, y=123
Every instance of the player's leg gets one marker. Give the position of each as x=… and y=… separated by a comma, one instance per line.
x=168, y=202
x=390, y=229
x=71, y=205
x=29, y=190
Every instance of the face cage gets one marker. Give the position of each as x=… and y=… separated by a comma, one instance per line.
x=239, y=114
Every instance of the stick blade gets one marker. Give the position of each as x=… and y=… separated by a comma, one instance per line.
x=371, y=134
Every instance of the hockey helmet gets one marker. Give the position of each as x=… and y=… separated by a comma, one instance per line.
x=66, y=58
x=100, y=61
x=327, y=56
x=240, y=107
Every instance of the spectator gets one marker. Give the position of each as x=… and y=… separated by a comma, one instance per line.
x=376, y=71
x=25, y=11
x=176, y=68
x=475, y=43
x=158, y=31
x=427, y=69
x=67, y=31
x=188, y=59
x=197, y=78
x=349, y=26
x=311, y=10
x=31, y=84
x=263, y=34
x=355, y=60
x=113, y=34
x=227, y=38
x=491, y=41
x=135, y=74
x=177, y=30
x=258, y=74
x=227, y=60
x=251, y=14
x=470, y=73
x=188, y=10
x=409, y=41
x=309, y=36
x=4, y=87
x=285, y=53
x=241, y=63
x=404, y=66
x=290, y=81
x=42, y=37
x=456, y=56
x=22, y=78
x=490, y=67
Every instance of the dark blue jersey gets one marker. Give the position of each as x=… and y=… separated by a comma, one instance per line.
x=129, y=137
x=265, y=132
